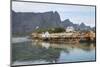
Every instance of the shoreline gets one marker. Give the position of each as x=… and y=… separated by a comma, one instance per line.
x=69, y=37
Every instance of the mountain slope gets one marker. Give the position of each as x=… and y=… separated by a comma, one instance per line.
x=27, y=22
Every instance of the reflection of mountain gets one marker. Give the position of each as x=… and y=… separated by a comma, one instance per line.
x=26, y=22
x=26, y=51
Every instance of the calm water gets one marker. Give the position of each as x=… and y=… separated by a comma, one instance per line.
x=25, y=51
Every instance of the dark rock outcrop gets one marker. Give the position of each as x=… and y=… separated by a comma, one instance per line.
x=66, y=23
x=27, y=22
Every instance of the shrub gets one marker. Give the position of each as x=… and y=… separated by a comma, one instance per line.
x=51, y=30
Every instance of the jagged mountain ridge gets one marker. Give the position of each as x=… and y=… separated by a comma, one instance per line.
x=26, y=22
x=29, y=21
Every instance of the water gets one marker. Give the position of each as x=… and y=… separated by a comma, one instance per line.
x=26, y=51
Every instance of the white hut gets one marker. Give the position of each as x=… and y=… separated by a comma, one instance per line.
x=46, y=34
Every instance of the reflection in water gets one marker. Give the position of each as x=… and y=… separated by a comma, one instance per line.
x=46, y=45
x=34, y=52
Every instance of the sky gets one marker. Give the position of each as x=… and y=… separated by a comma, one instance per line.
x=77, y=14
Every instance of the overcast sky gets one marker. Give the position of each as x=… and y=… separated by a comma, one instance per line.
x=76, y=14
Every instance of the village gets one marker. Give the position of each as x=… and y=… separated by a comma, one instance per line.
x=69, y=36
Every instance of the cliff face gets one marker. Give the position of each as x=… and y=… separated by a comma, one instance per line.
x=66, y=23
x=78, y=27
x=27, y=22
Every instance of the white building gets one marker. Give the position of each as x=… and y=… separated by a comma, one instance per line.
x=46, y=34
x=70, y=29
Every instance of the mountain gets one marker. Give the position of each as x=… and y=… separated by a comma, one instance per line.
x=66, y=23
x=27, y=22
x=82, y=26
